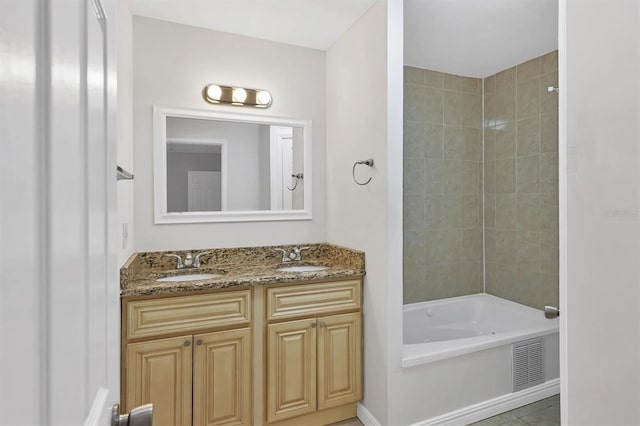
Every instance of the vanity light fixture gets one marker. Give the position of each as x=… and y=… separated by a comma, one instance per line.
x=217, y=94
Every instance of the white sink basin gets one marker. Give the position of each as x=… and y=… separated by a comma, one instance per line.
x=302, y=268
x=188, y=277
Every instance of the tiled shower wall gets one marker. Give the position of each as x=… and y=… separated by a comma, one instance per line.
x=443, y=178
x=521, y=182
x=442, y=185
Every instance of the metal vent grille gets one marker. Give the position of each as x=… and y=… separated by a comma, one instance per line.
x=528, y=364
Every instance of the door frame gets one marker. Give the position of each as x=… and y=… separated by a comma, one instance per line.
x=278, y=179
x=224, y=161
x=562, y=206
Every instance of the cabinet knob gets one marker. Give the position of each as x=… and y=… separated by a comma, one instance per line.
x=199, y=342
x=187, y=343
x=322, y=324
x=313, y=325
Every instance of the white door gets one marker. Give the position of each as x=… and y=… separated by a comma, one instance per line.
x=59, y=292
x=281, y=167
x=286, y=150
x=204, y=191
x=600, y=212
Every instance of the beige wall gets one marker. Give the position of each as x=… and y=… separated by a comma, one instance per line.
x=357, y=215
x=442, y=185
x=172, y=63
x=124, y=188
x=521, y=182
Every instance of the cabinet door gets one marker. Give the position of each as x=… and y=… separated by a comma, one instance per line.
x=159, y=372
x=339, y=360
x=291, y=369
x=222, y=378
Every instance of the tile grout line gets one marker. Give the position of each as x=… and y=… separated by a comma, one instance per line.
x=484, y=228
x=517, y=260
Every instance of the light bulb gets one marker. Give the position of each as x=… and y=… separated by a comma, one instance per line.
x=214, y=92
x=239, y=95
x=263, y=97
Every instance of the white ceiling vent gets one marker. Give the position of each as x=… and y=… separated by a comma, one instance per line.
x=528, y=364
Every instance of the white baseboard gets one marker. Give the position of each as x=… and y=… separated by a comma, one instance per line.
x=366, y=417
x=490, y=408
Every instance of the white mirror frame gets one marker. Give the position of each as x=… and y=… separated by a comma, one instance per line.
x=162, y=216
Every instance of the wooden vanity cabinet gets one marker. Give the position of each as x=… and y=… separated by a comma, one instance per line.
x=200, y=377
x=279, y=354
x=222, y=378
x=291, y=369
x=159, y=371
x=313, y=363
x=339, y=360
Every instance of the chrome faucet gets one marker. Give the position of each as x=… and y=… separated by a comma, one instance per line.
x=291, y=255
x=196, y=262
x=180, y=265
x=189, y=260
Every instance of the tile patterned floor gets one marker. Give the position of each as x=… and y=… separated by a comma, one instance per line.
x=542, y=413
x=351, y=422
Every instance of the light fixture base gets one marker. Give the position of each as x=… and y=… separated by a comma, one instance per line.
x=239, y=96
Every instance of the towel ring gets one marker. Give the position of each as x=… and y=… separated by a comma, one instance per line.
x=369, y=163
x=297, y=177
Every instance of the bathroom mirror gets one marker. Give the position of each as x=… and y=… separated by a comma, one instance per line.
x=230, y=167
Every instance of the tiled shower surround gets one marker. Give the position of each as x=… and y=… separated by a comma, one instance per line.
x=443, y=223
x=521, y=186
x=442, y=185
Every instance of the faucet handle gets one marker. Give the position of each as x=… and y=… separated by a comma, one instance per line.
x=285, y=254
x=298, y=252
x=180, y=265
x=196, y=262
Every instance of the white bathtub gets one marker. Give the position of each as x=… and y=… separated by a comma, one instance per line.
x=458, y=359
x=452, y=327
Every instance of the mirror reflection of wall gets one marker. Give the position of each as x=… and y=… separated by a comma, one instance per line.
x=217, y=165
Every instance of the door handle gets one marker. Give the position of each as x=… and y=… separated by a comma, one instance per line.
x=551, y=312
x=139, y=416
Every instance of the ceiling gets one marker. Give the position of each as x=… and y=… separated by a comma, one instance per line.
x=314, y=24
x=477, y=38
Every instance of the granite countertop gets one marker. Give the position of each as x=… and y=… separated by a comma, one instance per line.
x=246, y=266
